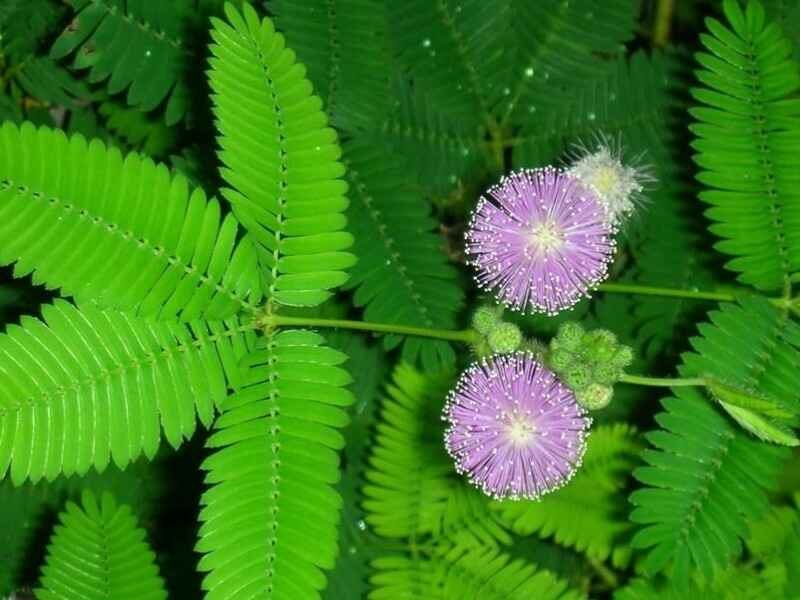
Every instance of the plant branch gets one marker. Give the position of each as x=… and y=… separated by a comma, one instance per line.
x=467, y=335
x=663, y=381
x=663, y=22
x=648, y=290
x=635, y=289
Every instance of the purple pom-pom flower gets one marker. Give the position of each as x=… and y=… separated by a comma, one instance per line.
x=515, y=428
x=540, y=241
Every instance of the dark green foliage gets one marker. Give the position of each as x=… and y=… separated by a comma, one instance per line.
x=404, y=277
x=29, y=510
x=454, y=43
x=24, y=26
x=350, y=78
x=561, y=46
x=98, y=552
x=443, y=152
x=135, y=45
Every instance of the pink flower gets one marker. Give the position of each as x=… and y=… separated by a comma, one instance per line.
x=540, y=241
x=515, y=428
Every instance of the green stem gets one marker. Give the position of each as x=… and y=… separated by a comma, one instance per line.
x=467, y=335
x=648, y=290
x=663, y=381
x=606, y=574
x=663, y=22
x=783, y=302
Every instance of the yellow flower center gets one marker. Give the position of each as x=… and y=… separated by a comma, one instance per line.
x=520, y=431
x=605, y=180
x=545, y=237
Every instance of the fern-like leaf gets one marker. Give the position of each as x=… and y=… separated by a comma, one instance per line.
x=118, y=230
x=271, y=514
x=629, y=102
x=98, y=552
x=344, y=45
x=558, y=45
x=765, y=364
x=452, y=46
x=442, y=152
x=586, y=514
x=747, y=133
x=281, y=160
x=402, y=275
x=484, y=573
x=707, y=478
x=141, y=132
x=369, y=366
x=87, y=386
x=411, y=487
x=136, y=45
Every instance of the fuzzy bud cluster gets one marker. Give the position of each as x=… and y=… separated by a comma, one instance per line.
x=590, y=362
x=496, y=335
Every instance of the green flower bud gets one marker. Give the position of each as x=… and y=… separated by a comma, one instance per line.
x=481, y=348
x=561, y=360
x=603, y=337
x=603, y=353
x=623, y=357
x=595, y=396
x=606, y=374
x=570, y=335
x=485, y=319
x=535, y=347
x=578, y=377
x=504, y=338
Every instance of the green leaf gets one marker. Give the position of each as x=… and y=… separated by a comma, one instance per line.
x=99, y=552
x=760, y=426
x=752, y=347
x=270, y=518
x=281, y=160
x=705, y=481
x=484, y=573
x=117, y=230
x=747, y=127
x=87, y=386
x=708, y=478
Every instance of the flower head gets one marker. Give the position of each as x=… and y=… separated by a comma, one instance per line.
x=515, y=429
x=617, y=185
x=540, y=240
